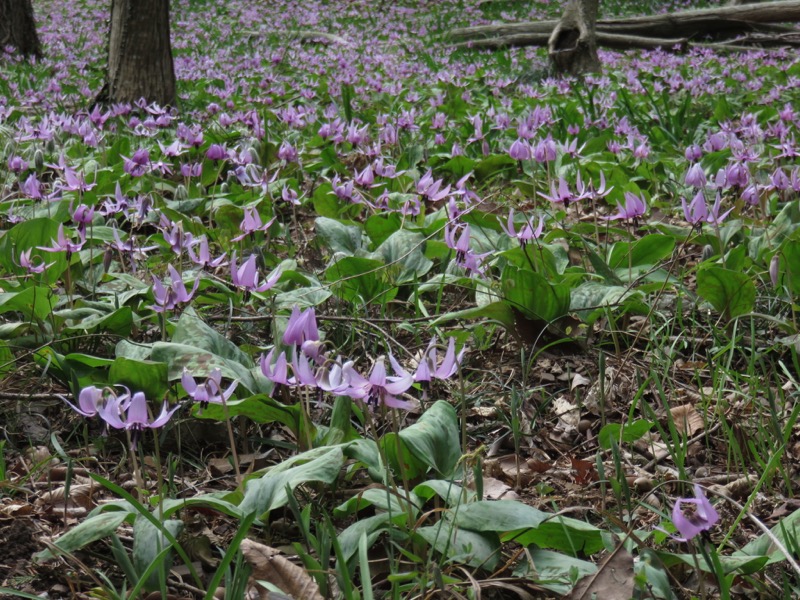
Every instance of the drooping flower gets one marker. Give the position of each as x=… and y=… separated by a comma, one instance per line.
x=696, y=211
x=247, y=277
x=635, y=207
x=302, y=327
x=167, y=298
x=527, y=233
x=129, y=412
x=208, y=392
x=90, y=399
x=429, y=367
x=379, y=389
x=64, y=244
x=703, y=518
x=251, y=222
x=203, y=256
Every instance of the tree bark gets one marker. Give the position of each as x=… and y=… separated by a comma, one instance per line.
x=139, y=53
x=728, y=20
x=572, y=47
x=18, y=27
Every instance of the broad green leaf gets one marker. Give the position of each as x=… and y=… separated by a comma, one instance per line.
x=31, y=235
x=533, y=295
x=87, y=531
x=434, y=439
x=383, y=499
x=260, y=409
x=452, y=494
x=34, y=302
x=269, y=491
x=148, y=543
x=192, y=331
x=478, y=550
x=557, y=572
x=404, y=254
x=495, y=164
x=499, y=516
x=338, y=236
x=380, y=227
x=731, y=293
x=645, y=251
x=623, y=433
x=6, y=359
x=371, y=526
x=787, y=531
x=145, y=376
x=562, y=533
x=496, y=311
x=360, y=280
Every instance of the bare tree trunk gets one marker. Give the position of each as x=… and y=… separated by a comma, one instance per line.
x=18, y=27
x=572, y=46
x=139, y=53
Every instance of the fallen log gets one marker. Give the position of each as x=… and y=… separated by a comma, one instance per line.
x=725, y=20
x=606, y=40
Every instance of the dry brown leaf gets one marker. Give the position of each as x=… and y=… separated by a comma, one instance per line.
x=612, y=581
x=494, y=489
x=567, y=412
x=578, y=380
x=687, y=420
x=269, y=565
x=80, y=495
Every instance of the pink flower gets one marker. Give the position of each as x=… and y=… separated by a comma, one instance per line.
x=247, y=276
x=379, y=388
x=701, y=519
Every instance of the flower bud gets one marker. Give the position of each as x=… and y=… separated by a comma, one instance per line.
x=225, y=188
x=181, y=193
x=773, y=269
x=38, y=159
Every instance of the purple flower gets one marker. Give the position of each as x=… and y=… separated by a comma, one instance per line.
x=431, y=189
x=167, y=298
x=528, y=231
x=216, y=152
x=714, y=218
x=287, y=152
x=697, y=211
x=561, y=194
x=17, y=164
x=208, y=392
x=695, y=176
x=203, y=256
x=64, y=244
x=251, y=222
x=379, y=388
x=247, y=277
x=130, y=413
x=701, y=519
x=302, y=327
x=137, y=165
x=429, y=367
x=31, y=266
x=634, y=208
x=90, y=400
x=520, y=150
x=277, y=373
x=32, y=188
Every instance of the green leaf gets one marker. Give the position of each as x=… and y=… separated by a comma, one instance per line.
x=563, y=533
x=496, y=311
x=382, y=499
x=533, y=295
x=31, y=235
x=269, y=491
x=192, y=331
x=449, y=492
x=360, y=280
x=148, y=543
x=371, y=526
x=787, y=531
x=731, y=293
x=500, y=516
x=380, y=227
x=34, y=303
x=260, y=409
x=645, y=251
x=87, y=531
x=338, y=236
x=434, y=439
x=478, y=550
x=556, y=571
x=404, y=254
x=494, y=165
x=6, y=359
x=140, y=376
x=616, y=432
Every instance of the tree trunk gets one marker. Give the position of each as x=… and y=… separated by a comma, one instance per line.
x=572, y=46
x=139, y=53
x=18, y=27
